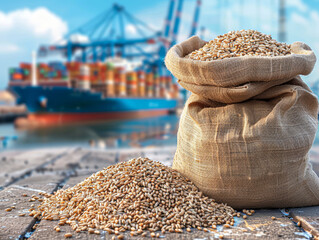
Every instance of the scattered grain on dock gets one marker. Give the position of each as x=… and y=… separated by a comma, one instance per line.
x=140, y=194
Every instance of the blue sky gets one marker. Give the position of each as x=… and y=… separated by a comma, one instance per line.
x=26, y=24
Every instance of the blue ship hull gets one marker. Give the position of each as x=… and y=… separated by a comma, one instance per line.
x=49, y=105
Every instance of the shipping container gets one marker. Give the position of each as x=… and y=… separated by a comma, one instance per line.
x=132, y=84
x=141, y=83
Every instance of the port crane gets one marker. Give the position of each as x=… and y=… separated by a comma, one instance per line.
x=116, y=32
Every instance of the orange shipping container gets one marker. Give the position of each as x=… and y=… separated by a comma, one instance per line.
x=132, y=84
x=141, y=83
x=149, y=84
x=110, y=82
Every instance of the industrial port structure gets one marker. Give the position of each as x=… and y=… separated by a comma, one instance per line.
x=105, y=36
x=109, y=74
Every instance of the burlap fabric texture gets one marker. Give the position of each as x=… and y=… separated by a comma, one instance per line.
x=247, y=128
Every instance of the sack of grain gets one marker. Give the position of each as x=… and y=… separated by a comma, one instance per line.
x=247, y=128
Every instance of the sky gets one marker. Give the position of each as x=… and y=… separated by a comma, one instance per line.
x=24, y=25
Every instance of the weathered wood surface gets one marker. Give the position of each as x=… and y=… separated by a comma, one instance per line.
x=33, y=171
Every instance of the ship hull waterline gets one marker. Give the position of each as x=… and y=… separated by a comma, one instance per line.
x=53, y=119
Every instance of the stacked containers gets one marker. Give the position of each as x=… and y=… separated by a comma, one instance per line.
x=122, y=82
x=53, y=70
x=162, y=86
x=110, y=79
x=175, y=90
x=43, y=70
x=16, y=74
x=117, y=81
x=94, y=72
x=84, y=77
x=58, y=71
x=73, y=69
x=156, y=85
x=132, y=83
x=102, y=73
x=169, y=86
x=26, y=71
x=150, y=84
x=169, y=82
x=141, y=83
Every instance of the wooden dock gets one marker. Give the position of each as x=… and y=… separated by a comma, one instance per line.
x=47, y=170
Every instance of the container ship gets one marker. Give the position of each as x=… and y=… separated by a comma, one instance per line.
x=79, y=92
x=114, y=69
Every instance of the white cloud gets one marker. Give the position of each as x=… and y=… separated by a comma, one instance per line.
x=22, y=31
x=39, y=23
x=297, y=4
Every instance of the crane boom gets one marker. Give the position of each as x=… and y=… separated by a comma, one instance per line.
x=168, y=20
x=177, y=21
x=195, y=19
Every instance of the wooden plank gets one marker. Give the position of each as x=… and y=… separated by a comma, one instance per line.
x=308, y=218
x=69, y=161
x=12, y=225
x=43, y=179
x=10, y=153
x=25, y=163
x=97, y=160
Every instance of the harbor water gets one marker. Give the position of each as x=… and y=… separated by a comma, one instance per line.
x=159, y=131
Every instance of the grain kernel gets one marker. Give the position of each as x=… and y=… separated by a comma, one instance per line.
x=68, y=235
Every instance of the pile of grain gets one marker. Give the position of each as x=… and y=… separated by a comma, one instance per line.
x=238, y=44
x=135, y=196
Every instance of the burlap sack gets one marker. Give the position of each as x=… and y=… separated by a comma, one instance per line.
x=246, y=130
